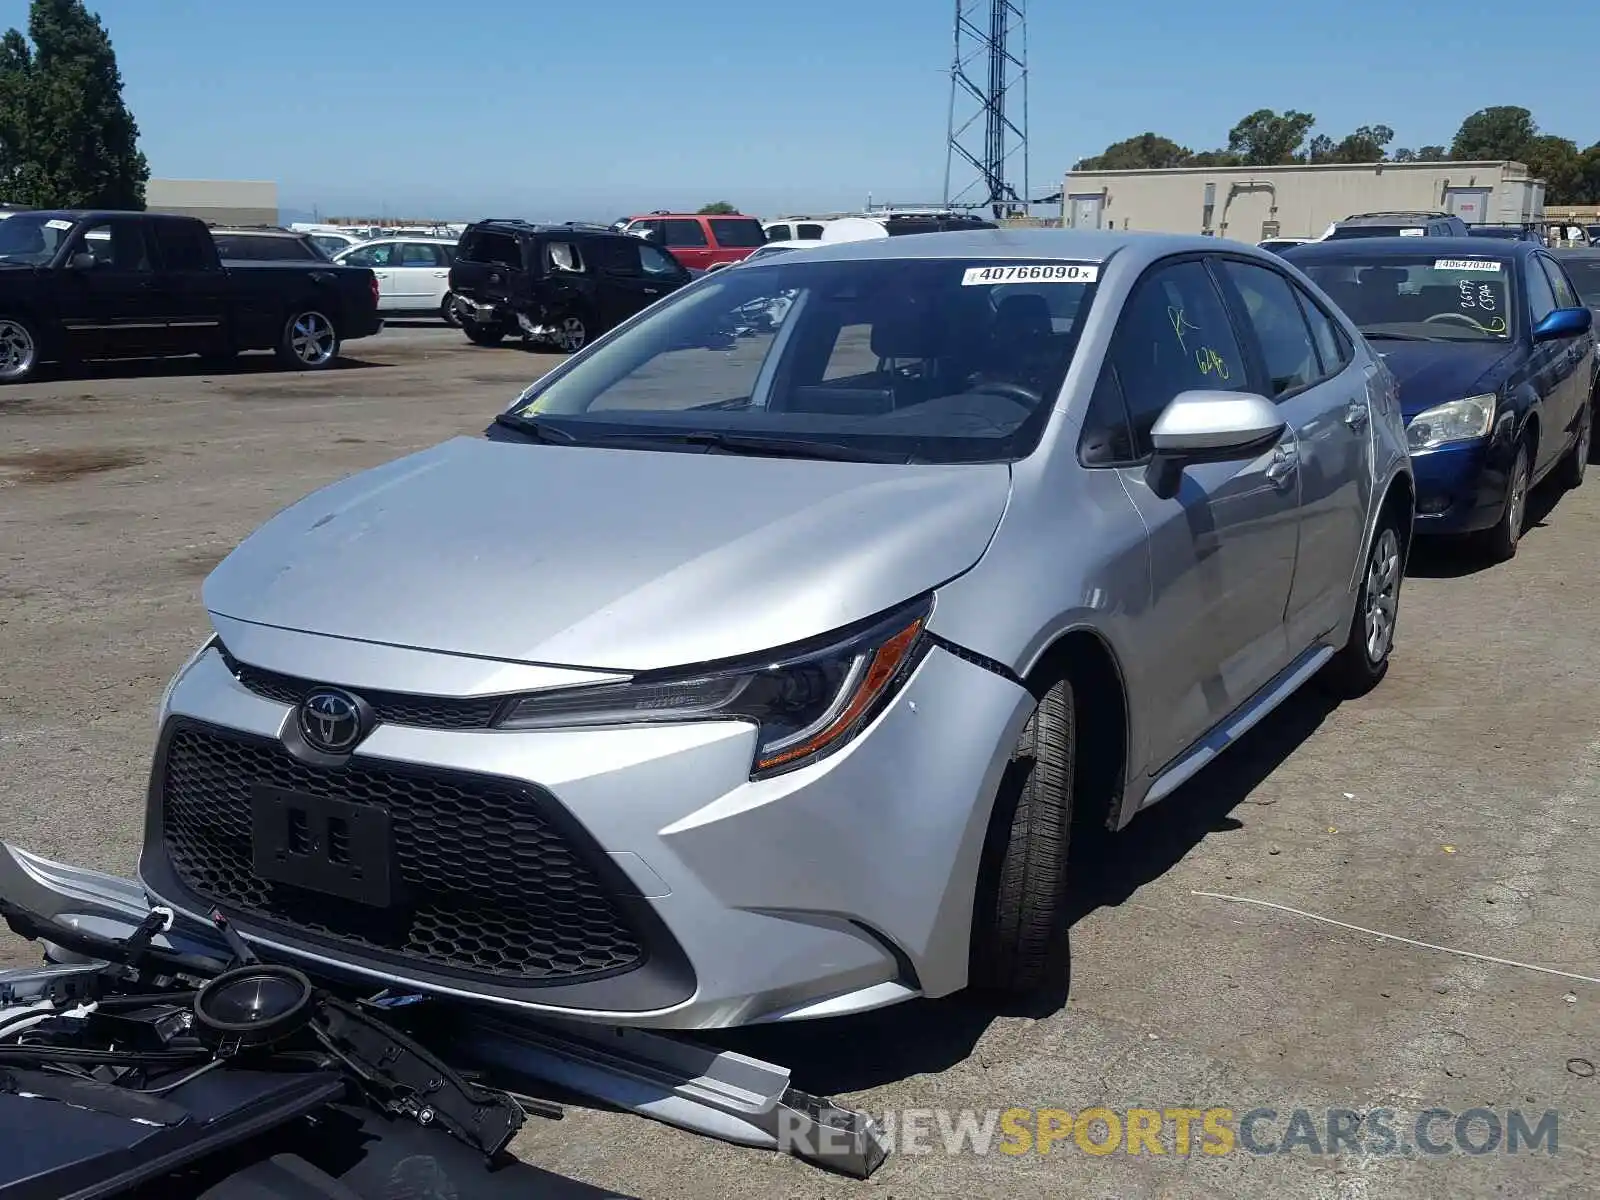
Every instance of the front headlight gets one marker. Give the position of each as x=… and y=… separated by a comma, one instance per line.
x=807, y=701
x=1457, y=421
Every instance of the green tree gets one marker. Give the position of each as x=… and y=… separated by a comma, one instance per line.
x=1320, y=149
x=69, y=140
x=1265, y=139
x=1215, y=158
x=719, y=208
x=1556, y=161
x=1494, y=134
x=1433, y=154
x=1143, y=152
x=1368, y=144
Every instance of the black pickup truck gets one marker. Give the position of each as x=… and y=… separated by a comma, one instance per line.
x=79, y=285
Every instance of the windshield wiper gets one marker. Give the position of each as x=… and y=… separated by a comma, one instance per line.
x=541, y=431
x=1400, y=337
x=758, y=444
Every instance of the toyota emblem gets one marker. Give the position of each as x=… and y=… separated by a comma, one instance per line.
x=331, y=720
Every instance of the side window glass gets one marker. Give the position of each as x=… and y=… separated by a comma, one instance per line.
x=1279, y=326
x=809, y=233
x=656, y=262
x=1331, y=348
x=181, y=246
x=1566, y=295
x=419, y=254
x=563, y=256
x=1541, y=297
x=118, y=245
x=778, y=233
x=1174, y=336
x=683, y=233
x=1107, y=438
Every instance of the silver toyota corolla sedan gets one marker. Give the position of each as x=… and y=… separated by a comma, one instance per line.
x=766, y=660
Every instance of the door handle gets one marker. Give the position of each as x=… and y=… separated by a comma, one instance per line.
x=1285, y=461
x=652, y=291
x=1355, y=415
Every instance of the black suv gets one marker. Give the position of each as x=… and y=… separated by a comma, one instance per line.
x=561, y=284
x=1398, y=224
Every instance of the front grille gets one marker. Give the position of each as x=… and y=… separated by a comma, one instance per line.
x=491, y=885
x=394, y=708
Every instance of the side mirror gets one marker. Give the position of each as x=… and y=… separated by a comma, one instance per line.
x=82, y=261
x=1201, y=427
x=1564, y=322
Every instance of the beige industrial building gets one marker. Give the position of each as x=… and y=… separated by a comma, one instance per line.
x=223, y=201
x=1300, y=200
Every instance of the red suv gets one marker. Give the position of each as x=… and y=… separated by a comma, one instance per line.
x=701, y=242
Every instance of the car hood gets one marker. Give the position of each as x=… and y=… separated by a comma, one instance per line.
x=1430, y=373
x=623, y=560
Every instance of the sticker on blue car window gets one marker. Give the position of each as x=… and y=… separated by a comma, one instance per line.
x=1046, y=273
x=1465, y=264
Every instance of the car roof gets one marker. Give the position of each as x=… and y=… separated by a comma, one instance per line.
x=1067, y=245
x=1384, y=218
x=661, y=216
x=1403, y=247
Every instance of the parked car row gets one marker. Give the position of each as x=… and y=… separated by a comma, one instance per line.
x=81, y=285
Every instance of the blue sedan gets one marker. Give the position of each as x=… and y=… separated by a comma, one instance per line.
x=1494, y=354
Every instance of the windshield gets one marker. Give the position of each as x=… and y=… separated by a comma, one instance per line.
x=1497, y=232
x=929, y=360
x=1447, y=299
x=32, y=238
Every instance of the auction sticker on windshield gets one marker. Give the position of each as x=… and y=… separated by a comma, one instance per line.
x=1465, y=264
x=1036, y=273
x=57, y=223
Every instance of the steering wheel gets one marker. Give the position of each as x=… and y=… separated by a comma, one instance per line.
x=1014, y=391
x=1462, y=318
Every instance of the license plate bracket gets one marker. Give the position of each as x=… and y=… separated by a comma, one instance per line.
x=323, y=844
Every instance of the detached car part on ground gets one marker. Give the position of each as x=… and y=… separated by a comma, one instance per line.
x=151, y=1047
x=92, y=285
x=887, y=576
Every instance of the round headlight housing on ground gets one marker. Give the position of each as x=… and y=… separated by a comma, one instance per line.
x=252, y=1006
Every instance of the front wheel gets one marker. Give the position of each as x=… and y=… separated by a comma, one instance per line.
x=1363, y=661
x=1570, y=473
x=19, y=350
x=1500, y=543
x=310, y=341
x=1019, y=922
x=572, y=332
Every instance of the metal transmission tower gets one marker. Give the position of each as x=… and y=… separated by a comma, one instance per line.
x=990, y=69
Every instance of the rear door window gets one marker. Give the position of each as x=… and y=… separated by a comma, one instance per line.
x=421, y=254
x=681, y=231
x=182, y=245
x=809, y=232
x=564, y=256
x=737, y=233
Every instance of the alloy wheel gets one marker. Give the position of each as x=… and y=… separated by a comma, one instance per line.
x=312, y=339
x=1383, y=595
x=571, y=334
x=17, y=350
x=1517, y=501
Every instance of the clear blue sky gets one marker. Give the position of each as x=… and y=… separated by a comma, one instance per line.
x=599, y=107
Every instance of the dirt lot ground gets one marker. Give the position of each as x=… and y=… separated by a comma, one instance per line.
x=1457, y=805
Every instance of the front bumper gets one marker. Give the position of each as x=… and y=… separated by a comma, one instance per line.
x=837, y=888
x=1461, y=488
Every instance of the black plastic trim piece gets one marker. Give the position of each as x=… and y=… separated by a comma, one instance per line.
x=978, y=660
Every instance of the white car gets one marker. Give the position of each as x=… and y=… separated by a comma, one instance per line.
x=413, y=274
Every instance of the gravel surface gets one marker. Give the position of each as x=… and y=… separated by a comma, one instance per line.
x=1456, y=805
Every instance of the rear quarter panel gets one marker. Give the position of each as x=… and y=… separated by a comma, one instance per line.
x=262, y=295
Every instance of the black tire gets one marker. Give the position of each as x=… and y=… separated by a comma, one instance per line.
x=309, y=341
x=1363, y=660
x=482, y=335
x=448, y=313
x=1019, y=920
x=20, y=352
x=1500, y=543
x=1569, y=471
